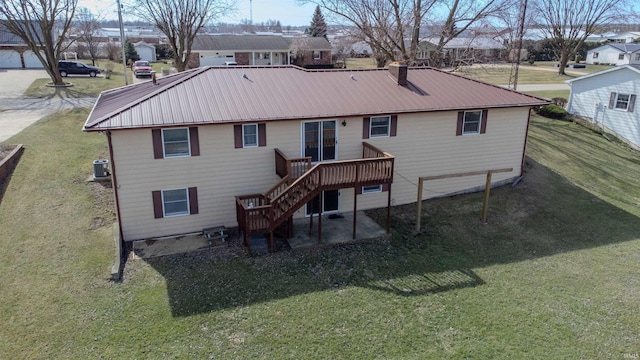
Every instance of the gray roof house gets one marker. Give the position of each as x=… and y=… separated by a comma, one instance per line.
x=14, y=53
x=250, y=49
x=615, y=54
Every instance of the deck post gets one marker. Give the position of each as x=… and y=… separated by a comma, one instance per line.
x=310, y=216
x=389, y=210
x=419, y=202
x=320, y=219
x=355, y=198
x=271, y=247
x=485, y=206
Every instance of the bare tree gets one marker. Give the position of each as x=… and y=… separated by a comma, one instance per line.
x=386, y=25
x=568, y=23
x=88, y=26
x=180, y=21
x=36, y=23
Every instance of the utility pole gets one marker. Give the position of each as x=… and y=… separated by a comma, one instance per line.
x=513, y=77
x=124, y=56
x=251, y=12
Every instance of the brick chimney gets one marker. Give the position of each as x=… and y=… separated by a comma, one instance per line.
x=399, y=72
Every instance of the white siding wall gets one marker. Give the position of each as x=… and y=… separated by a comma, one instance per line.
x=425, y=145
x=608, y=55
x=590, y=98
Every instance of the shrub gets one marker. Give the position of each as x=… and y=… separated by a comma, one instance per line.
x=552, y=111
x=578, y=58
x=560, y=101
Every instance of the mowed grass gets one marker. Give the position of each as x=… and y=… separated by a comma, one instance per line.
x=550, y=94
x=552, y=275
x=499, y=75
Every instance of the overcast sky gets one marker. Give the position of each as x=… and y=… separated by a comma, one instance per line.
x=287, y=11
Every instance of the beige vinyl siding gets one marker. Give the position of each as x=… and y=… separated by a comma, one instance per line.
x=425, y=145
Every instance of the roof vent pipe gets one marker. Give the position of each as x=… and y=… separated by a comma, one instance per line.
x=399, y=72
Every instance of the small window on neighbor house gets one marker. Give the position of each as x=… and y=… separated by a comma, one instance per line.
x=176, y=142
x=622, y=102
x=379, y=126
x=371, y=189
x=250, y=135
x=621, y=56
x=317, y=55
x=175, y=202
x=638, y=57
x=595, y=55
x=471, y=124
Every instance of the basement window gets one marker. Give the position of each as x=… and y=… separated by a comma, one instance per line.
x=371, y=189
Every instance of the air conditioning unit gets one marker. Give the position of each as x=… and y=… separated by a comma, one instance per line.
x=100, y=169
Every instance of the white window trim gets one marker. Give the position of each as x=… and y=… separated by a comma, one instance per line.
x=317, y=55
x=595, y=55
x=164, y=212
x=621, y=56
x=615, y=103
x=378, y=188
x=164, y=150
x=464, y=121
x=245, y=145
x=371, y=135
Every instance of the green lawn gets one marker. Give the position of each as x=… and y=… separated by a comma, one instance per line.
x=552, y=275
x=551, y=64
x=549, y=94
x=500, y=75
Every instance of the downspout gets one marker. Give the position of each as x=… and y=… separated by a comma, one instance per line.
x=114, y=183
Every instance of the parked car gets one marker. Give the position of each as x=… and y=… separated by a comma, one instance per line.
x=77, y=68
x=141, y=68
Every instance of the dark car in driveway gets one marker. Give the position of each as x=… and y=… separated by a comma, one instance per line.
x=76, y=68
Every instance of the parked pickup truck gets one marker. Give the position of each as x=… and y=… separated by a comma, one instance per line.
x=141, y=68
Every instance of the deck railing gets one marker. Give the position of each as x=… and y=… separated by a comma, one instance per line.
x=294, y=167
x=265, y=212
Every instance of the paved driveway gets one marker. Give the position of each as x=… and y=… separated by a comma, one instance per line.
x=18, y=112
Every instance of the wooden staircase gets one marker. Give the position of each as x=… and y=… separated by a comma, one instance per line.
x=301, y=182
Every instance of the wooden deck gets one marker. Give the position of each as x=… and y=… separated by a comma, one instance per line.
x=301, y=182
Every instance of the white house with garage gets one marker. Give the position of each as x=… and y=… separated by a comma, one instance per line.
x=615, y=53
x=14, y=53
x=608, y=99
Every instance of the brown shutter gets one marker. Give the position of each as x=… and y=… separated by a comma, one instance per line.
x=366, y=123
x=237, y=135
x=460, y=121
x=358, y=189
x=612, y=100
x=394, y=125
x=158, y=152
x=193, y=200
x=194, y=141
x=262, y=134
x=632, y=103
x=483, y=122
x=157, y=204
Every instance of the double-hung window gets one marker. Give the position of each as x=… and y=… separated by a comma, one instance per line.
x=621, y=56
x=175, y=202
x=622, y=102
x=472, y=122
x=638, y=57
x=176, y=142
x=380, y=126
x=595, y=55
x=250, y=135
x=317, y=55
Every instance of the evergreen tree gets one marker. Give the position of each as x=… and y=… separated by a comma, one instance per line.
x=318, y=27
x=130, y=52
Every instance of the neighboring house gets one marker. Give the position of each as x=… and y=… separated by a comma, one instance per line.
x=187, y=149
x=145, y=50
x=608, y=98
x=473, y=49
x=614, y=53
x=215, y=50
x=14, y=53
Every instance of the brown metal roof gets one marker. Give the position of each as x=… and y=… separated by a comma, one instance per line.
x=236, y=94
